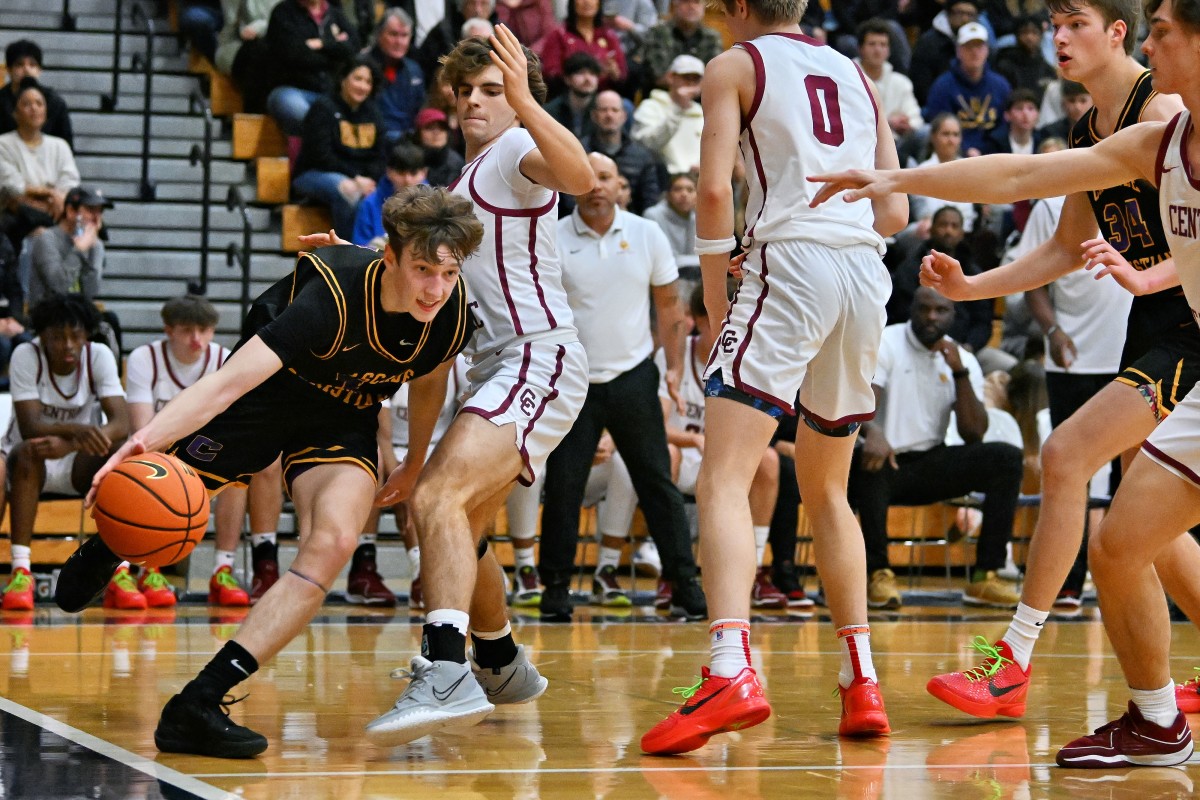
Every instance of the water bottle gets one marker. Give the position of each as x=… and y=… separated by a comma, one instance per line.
x=79, y=227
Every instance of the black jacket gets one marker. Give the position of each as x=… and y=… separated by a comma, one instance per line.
x=334, y=138
x=296, y=64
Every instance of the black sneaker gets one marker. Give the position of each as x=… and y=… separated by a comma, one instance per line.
x=687, y=600
x=188, y=726
x=85, y=575
x=556, y=604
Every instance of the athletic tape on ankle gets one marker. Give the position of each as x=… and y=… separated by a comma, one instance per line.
x=853, y=630
x=304, y=577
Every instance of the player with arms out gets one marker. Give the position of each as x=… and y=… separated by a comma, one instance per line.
x=808, y=316
x=321, y=350
x=529, y=379
x=1160, y=494
x=1160, y=362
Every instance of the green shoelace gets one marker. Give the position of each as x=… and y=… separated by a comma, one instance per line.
x=986, y=670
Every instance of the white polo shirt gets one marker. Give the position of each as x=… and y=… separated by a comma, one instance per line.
x=608, y=280
x=918, y=390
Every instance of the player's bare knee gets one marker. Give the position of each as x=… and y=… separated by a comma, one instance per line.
x=768, y=468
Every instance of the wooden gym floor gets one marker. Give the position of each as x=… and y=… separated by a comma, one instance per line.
x=81, y=695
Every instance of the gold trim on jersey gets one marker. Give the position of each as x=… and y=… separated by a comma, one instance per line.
x=339, y=299
x=368, y=466
x=1126, y=110
x=462, y=329
x=373, y=339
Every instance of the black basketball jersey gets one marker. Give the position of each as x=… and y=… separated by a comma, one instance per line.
x=327, y=324
x=1129, y=219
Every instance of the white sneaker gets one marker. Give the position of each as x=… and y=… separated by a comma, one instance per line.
x=519, y=682
x=646, y=559
x=439, y=695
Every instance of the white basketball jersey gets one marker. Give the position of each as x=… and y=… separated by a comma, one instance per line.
x=812, y=113
x=153, y=376
x=691, y=388
x=456, y=385
x=73, y=398
x=1179, y=205
x=514, y=280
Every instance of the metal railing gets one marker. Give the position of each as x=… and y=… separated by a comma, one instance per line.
x=202, y=154
x=240, y=255
x=67, y=21
x=108, y=102
x=147, y=189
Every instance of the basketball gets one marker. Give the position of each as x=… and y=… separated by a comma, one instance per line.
x=151, y=509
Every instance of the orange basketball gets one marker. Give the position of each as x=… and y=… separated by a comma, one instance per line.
x=151, y=509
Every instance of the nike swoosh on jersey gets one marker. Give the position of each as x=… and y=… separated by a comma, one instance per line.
x=351, y=347
x=445, y=695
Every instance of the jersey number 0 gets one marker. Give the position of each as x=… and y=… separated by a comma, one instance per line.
x=826, y=111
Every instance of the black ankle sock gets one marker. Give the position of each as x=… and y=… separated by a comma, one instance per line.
x=230, y=666
x=494, y=653
x=268, y=551
x=443, y=643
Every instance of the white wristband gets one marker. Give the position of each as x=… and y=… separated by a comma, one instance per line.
x=713, y=247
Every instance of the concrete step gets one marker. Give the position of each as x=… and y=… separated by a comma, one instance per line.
x=86, y=21
x=128, y=101
x=52, y=10
x=129, y=123
x=158, y=239
x=226, y=290
x=130, y=146
x=131, y=83
x=164, y=216
x=102, y=60
x=97, y=168
x=121, y=264
x=168, y=191
x=146, y=314
x=71, y=44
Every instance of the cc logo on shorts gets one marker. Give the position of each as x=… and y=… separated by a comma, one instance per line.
x=728, y=341
x=203, y=449
x=528, y=402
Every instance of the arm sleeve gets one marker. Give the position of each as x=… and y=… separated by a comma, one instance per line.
x=23, y=373
x=105, y=373
x=139, y=374
x=50, y=266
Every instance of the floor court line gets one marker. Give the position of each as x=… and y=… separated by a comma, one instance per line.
x=116, y=753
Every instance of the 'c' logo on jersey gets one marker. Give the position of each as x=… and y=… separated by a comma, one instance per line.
x=528, y=402
x=728, y=341
x=157, y=471
x=203, y=448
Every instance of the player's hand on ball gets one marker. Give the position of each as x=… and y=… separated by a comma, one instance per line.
x=132, y=447
x=858, y=184
x=944, y=274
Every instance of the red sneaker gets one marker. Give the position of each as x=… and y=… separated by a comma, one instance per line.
x=1187, y=695
x=18, y=595
x=997, y=687
x=863, y=713
x=223, y=589
x=714, y=705
x=266, y=571
x=662, y=595
x=1130, y=740
x=155, y=588
x=764, y=594
x=365, y=586
x=122, y=592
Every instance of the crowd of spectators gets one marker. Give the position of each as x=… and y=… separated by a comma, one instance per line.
x=356, y=88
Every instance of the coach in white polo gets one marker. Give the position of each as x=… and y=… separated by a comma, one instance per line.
x=613, y=263
x=921, y=376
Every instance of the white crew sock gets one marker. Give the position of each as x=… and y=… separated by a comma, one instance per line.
x=729, y=642
x=761, y=534
x=855, y=643
x=1157, y=705
x=523, y=557
x=21, y=556
x=609, y=557
x=225, y=558
x=414, y=560
x=258, y=538
x=1023, y=632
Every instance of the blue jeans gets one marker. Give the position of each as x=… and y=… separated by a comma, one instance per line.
x=289, y=105
x=323, y=187
x=200, y=23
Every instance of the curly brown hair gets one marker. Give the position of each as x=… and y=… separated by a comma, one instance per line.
x=427, y=218
x=473, y=55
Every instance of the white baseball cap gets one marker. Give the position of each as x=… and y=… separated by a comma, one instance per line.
x=972, y=32
x=687, y=65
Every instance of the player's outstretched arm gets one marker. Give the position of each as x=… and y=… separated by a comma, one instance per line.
x=1125, y=156
x=559, y=163
x=192, y=408
x=1104, y=261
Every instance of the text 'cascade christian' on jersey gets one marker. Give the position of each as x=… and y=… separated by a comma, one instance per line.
x=812, y=113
